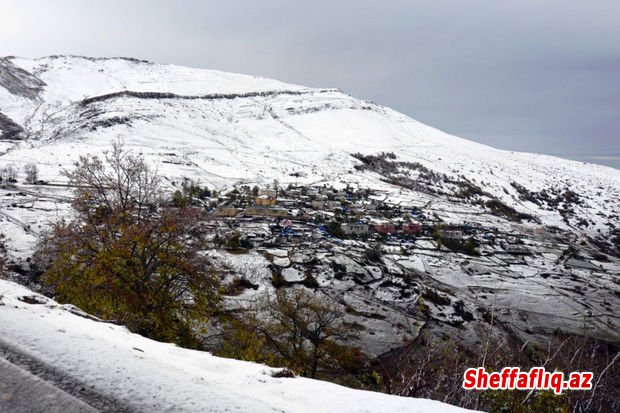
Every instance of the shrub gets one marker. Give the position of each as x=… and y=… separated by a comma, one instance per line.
x=233, y=241
x=241, y=340
x=335, y=229
x=499, y=208
x=238, y=285
x=373, y=254
x=310, y=281
x=284, y=373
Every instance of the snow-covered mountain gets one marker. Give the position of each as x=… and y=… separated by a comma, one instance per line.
x=227, y=130
x=224, y=129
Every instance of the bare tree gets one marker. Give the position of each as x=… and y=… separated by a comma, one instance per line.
x=276, y=185
x=32, y=173
x=121, y=181
x=8, y=176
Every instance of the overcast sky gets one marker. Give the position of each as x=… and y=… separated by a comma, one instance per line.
x=528, y=75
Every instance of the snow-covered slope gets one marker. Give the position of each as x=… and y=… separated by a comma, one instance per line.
x=150, y=376
x=224, y=128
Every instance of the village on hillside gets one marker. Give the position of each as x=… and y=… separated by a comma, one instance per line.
x=271, y=217
x=392, y=262
x=395, y=265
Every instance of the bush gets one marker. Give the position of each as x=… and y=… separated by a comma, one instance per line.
x=241, y=340
x=284, y=373
x=310, y=281
x=373, y=254
x=277, y=279
x=499, y=208
x=233, y=241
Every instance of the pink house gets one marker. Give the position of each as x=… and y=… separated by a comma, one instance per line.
x=413, y=228
x=385, y=228
x=286, y=223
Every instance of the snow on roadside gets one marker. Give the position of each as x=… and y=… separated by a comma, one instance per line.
x=153, y=376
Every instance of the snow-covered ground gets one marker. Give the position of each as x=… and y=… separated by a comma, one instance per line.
x=259, y=129
x=150, y=376
x=224, y=129
x=269, y=130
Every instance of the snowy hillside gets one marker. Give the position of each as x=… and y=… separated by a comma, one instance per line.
x=546, y=230
x=145, y=375
x=223, y=129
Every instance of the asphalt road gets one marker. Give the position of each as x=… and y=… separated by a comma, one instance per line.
x=21, y=391
x=29, y=385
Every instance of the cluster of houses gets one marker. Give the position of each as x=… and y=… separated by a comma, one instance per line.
x=359, y=215
x=298, y=212
x=385, y=228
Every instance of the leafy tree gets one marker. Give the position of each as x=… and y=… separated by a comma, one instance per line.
x=127, y=256
x=193, y=190
x=190, y=194
x=180, y=200
x=306, y=331
x=240, y=340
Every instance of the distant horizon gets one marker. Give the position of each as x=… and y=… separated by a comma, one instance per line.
x=612, y=161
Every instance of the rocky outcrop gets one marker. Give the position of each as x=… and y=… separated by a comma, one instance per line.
x=18, y=81
x=211, y=96
x=8, y=128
